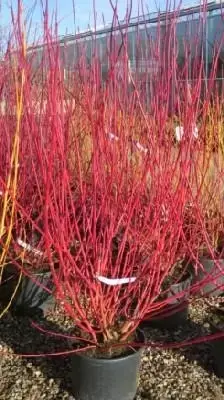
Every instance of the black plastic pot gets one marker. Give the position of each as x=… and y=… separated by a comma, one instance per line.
x=210, y=268
x=32, y=297
x=9, y=277
x=176, y=311
x=218, y=352
x=105, y=379
x=172, y=318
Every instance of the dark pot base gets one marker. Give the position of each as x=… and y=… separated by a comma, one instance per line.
x=33, y=311
x=218, y=353
x=210, y=288
x=170, y=322
x=175, y=312
x=9, y=279
x=33, y=299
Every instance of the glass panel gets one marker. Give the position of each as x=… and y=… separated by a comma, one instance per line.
x=131, y=45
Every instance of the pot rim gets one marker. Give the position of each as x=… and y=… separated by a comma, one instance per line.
x=205, y=258
x=98, y=360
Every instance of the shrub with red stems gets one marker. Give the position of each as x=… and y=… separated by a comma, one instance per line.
x=114, y=201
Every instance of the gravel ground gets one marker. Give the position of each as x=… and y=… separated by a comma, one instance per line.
x=165, y=374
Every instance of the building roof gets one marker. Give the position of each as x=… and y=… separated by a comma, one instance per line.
x=140, y=20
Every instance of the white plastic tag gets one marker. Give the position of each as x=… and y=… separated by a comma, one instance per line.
x=141, y=148
x=179, y=133
x=115, y=282
x=113, y=137
x=28, y=247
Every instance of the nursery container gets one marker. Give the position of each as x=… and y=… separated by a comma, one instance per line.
x=105, y=379
x=176, y=309
x=210, y=268
x=218, y=351
x=9, y=277
x=31, y=296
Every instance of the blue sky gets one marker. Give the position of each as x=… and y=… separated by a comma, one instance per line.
x=84, y=13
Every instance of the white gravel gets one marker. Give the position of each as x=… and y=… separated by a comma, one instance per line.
x=165, y=374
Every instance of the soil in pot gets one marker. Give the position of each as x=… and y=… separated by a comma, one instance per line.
x=217, y=326
x=106, y=378
x=215, y=288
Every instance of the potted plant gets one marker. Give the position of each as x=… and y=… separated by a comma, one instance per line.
x=34, y=293
x=115, y=249
x=118, y=368
x=209, y=270
x=204, y=226
x=177, y=284
x=108, y=345
x=176, y=290
x=107, y=285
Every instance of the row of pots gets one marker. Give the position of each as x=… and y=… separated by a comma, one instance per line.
x=32, y=296
x=95, y=378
